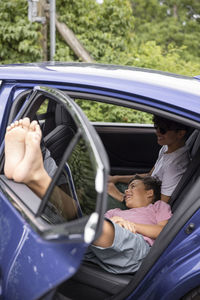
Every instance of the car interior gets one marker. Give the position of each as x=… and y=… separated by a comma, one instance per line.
x=90, y=281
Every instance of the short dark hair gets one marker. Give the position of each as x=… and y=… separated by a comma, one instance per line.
x=150, y=183
x=169, y=124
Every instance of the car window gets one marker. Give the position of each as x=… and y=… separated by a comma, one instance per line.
x=105, y=112
x=74, y=195
x=43, y=108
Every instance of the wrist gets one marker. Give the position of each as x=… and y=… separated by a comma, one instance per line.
x=122, y=198
x=134, y=227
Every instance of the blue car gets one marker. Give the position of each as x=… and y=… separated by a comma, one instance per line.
x=42, y=249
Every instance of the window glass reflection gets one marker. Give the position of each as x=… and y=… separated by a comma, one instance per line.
x=74, y=195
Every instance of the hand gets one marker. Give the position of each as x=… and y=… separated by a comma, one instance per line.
x=124, y=223
x=116, y=219
x=127, y=225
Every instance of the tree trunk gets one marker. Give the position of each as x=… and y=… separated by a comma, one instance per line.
x=175, y=11
x=43, y=41
x=73, y=42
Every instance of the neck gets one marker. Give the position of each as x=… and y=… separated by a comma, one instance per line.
x=175, y=146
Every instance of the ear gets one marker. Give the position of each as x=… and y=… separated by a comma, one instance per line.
x=150, y=193
x=181, y=133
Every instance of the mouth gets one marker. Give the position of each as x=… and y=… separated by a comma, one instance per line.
x=127, y=197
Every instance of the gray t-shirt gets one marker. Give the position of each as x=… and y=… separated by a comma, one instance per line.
x=170, y=167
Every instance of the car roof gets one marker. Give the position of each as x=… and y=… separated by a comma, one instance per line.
x=167, y=88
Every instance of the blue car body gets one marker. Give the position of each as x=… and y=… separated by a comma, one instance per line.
x=32, y=267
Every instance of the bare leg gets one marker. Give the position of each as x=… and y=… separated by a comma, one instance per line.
x=14, y=145
x=31, y=170
x=106, y=238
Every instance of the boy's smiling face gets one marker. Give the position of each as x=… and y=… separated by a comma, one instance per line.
x=170, y=137
x=137, y=196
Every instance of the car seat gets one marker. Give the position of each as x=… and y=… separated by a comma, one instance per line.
x=57, y=140
x=188, y=177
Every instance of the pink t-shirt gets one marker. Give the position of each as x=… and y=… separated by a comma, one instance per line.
x=151, y=214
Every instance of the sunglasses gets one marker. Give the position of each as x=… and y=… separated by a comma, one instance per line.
x=163, y=130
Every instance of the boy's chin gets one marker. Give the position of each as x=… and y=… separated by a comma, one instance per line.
x=127, y=205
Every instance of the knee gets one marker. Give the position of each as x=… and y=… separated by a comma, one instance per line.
x=107, y=236
x=107, y=227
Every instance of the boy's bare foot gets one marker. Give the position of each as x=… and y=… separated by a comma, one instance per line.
x=15, y=145
x=31, y=170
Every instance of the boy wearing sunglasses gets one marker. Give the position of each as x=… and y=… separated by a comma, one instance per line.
x=171, y=163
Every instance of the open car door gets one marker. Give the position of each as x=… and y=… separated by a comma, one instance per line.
x=42, y=240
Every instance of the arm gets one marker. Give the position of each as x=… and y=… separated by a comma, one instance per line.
x=151, y=231
x=127, y=178
x=113, y=190
x=165, y=198
x=120, y=178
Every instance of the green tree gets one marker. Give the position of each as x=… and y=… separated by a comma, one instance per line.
x=19, y=39
x=170, y=23
x=157, y=34
x=97, y=112
x=104, y=30
x=116, y=32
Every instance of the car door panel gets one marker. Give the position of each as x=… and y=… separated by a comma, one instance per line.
x=33, y=262
x=131, y=149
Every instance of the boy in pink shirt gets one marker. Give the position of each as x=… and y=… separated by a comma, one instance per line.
x=128, y=234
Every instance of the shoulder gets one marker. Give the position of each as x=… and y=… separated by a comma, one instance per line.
x=161, y=205
x=163, y=149
x=162, y=211
x=112, y=212
x=182, y=152
x=180, y=159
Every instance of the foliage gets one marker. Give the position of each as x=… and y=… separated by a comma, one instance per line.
x=143, y=34
x=104, y=30
x=169, y=22
x=84, y=180
x=111, y=33
x=97, y=112
x=157, y=34
x=18, y=38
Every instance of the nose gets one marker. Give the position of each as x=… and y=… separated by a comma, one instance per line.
x=128, y=191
